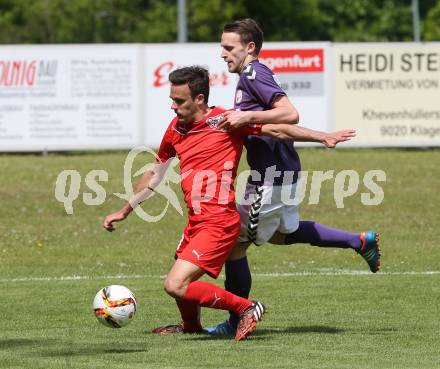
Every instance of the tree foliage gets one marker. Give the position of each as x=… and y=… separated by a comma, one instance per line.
x=431, y=25
x=206, y=18
x=87, y=21
x=367, y=20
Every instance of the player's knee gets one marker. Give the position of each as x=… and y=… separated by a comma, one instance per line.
x=174, y=287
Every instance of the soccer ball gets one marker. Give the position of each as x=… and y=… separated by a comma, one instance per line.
x=114, y=306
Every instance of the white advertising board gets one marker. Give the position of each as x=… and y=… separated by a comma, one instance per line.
x=73, y=97
x=69, y=97
x=302, y=69
x=390, y=93
x=304, y=72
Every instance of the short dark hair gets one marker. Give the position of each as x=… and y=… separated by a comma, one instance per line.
x=195, y=76
x=249, y=30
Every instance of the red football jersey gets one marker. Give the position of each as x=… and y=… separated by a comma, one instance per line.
x=209, y=159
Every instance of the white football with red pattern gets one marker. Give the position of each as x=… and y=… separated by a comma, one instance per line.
x=114, y=306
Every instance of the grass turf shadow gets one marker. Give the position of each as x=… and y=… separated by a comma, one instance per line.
x=260, y=332
x=90, y=350
x=22, y=342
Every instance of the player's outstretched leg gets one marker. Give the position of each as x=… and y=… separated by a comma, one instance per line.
x=366, y=243
x=370, y=249
x=320, y=235
x=249, y=319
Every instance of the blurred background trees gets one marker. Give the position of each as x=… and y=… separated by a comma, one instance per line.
x=113, y=21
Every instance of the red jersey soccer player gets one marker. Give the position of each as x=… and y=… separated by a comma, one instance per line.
x=210, y=157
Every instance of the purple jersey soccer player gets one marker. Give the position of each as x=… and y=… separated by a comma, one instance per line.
x=259, y=98
x=256, y=90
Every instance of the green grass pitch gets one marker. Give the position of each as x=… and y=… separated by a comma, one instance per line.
x=325, y=310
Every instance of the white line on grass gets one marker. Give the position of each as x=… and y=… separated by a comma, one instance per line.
x=262, y=275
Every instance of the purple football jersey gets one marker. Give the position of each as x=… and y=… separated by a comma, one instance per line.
x=256, y=90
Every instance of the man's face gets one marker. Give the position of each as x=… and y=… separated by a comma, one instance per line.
x=234, y=52
x=183, y=104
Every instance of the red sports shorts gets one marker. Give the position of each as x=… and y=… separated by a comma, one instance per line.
x=208, y=244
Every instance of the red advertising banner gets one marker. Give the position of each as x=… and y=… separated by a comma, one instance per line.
x=293, y=60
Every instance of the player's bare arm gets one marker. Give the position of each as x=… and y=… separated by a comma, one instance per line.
x=282, y=112
x=142, y=191
x=297, y=133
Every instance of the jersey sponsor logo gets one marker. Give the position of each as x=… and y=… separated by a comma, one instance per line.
x=216, y=299
x=293, y=60
x=250, y=72
x=197, y=254
x=214, y=121
x=238, y=96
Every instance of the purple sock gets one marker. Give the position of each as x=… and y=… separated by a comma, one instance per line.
x=320, y=235
x=238, y=281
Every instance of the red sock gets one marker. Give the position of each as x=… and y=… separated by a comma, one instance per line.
x=209, y=295
x=190, y=313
